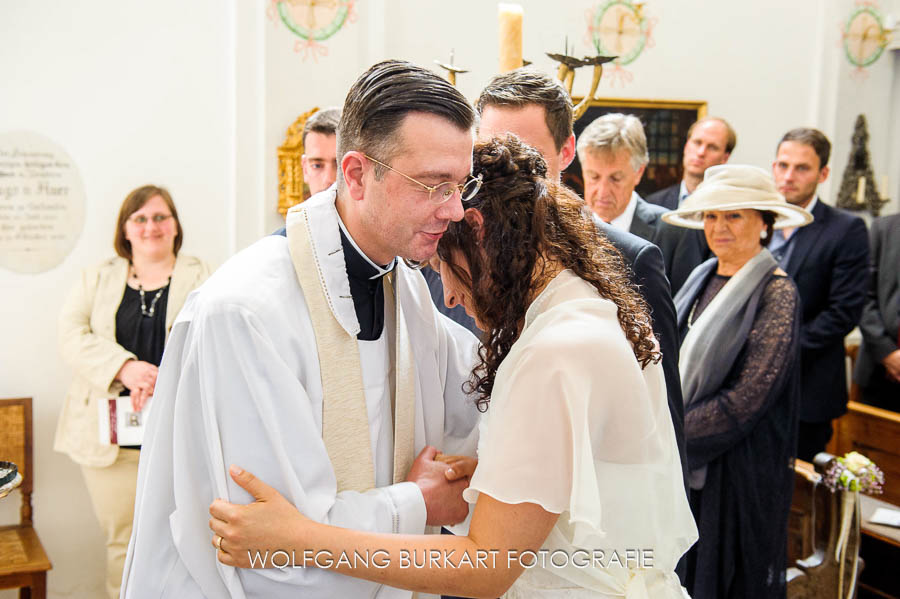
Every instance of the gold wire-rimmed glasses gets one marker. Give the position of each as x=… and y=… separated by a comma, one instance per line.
x=441, y=192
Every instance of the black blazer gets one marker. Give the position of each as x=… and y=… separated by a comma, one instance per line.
x=683, y=249
x=881, y=315
x=666, y=197
x=648, y=272
x=830, y=264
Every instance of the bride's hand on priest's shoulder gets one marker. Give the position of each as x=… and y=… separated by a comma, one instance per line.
x=271, y=523
x=444, y=504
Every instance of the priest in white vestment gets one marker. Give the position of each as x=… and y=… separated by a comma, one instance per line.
x=282, y=364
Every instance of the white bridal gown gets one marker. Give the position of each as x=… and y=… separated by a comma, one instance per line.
x=576, y=426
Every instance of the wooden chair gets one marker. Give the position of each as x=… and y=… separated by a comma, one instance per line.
x=814, y=535
x=23, y=562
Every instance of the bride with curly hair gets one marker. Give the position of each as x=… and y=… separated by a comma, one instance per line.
x=578, y=490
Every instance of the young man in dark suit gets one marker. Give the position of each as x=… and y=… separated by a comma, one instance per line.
x=829, y=262
x=878, y=364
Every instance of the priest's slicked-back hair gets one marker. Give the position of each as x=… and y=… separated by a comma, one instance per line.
x=382, y=97
x=526, y=86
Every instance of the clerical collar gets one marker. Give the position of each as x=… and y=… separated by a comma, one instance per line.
x=366, y=287
x=358, y=264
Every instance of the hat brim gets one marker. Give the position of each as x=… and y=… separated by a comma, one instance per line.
x=786, y=215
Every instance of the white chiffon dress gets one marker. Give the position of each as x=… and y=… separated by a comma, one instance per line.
x=576, y=426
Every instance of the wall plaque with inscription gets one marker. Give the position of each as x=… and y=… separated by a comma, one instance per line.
x=42, y=202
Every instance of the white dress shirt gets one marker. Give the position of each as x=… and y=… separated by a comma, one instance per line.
x=623, y=221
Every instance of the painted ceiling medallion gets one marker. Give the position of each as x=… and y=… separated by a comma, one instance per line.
x=313, y=21
x=620, y=28
x=864, y=34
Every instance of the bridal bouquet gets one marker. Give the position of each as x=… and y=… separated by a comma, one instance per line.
x=854, y=472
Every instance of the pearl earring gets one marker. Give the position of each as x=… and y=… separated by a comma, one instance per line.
x=763, y=234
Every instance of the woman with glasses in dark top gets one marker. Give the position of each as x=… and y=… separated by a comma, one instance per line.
x=112, y=331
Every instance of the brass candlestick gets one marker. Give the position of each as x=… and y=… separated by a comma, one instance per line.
x=451, y=70
x=598, y=62
x=566, y=74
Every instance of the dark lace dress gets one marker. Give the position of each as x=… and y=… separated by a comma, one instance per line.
x=746, y=435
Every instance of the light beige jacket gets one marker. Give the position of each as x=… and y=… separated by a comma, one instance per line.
x=87, y=340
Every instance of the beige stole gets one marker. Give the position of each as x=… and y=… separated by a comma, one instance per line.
x=345, y=422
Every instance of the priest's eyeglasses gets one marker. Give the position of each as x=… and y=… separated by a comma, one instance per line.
x=441, y=192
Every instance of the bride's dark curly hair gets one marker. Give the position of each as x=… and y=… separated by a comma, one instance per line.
x=531, y=223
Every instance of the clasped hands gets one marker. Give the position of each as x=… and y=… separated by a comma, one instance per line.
x=139, y=378
x=272, y=523
x=892, y=366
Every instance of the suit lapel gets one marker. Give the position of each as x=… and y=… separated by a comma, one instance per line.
x=671, y=200
x=643, y=221
x=888, y=279
x=807, y=237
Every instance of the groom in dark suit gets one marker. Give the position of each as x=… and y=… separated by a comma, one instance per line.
x=878, y=364
x=829, y=262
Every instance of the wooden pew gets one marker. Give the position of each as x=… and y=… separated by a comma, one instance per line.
x=875, y=433
x=814, y=527
x=880, y=547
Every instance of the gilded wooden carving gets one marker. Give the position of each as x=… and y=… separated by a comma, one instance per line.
x=291, y=188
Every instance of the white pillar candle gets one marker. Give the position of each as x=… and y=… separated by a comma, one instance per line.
x=510, y=17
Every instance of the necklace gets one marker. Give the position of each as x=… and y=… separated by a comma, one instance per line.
x=690, y=318
x=144, y=311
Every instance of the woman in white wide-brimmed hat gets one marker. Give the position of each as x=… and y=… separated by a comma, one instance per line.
x=738, y=316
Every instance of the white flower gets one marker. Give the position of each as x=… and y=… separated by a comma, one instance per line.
x=856, y=461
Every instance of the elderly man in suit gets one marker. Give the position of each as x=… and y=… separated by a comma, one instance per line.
x=613, y=155
x=878, y=364
x=829, y=262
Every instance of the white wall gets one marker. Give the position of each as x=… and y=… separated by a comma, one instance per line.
x=135, y=92
x=871, y=93
x=893, y=128
x=198, y=95
x=766, y=66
